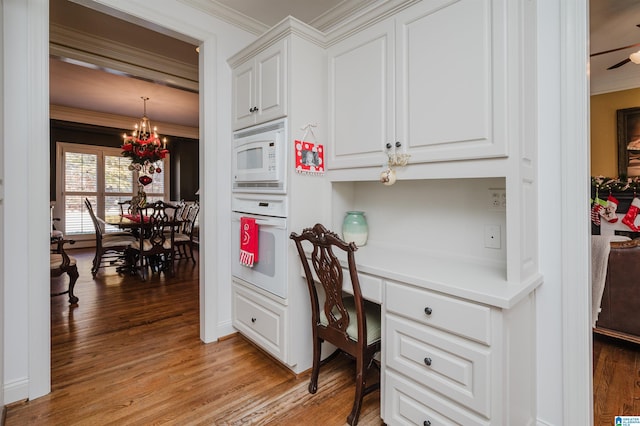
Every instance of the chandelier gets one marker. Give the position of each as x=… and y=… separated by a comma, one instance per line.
x=144, y=148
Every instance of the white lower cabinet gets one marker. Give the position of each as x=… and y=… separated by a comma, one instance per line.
x=260, y=319
x=449, y=361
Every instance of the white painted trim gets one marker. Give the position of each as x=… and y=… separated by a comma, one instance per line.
x=16, y=389
x=97, y=51
x=37, y=208
x=575, y=225
x=59, y=112
x=227, y=14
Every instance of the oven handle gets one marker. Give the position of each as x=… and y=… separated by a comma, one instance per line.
x=267, y=222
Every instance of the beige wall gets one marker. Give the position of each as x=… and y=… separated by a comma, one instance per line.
x=604, y=151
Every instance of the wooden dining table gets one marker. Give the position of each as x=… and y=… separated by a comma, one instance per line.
x=136, y=224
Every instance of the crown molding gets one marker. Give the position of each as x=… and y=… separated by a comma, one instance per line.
x=86, y=49
x=342, y=12
x=227, y=14
x=282, y=29
x=76, y=115
x=368, y=14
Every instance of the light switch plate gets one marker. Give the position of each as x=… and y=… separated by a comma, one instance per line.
x=492, y=236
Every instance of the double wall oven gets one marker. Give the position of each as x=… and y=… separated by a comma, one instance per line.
x=259, y=193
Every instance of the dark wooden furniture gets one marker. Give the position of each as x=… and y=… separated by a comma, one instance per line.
x=155, y=248
x=621, y=298
x=61, y=263
x=110, y=247
x=184, y=238
x=350, y=323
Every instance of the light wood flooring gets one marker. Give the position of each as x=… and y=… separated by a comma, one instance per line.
x=616, y=380
x=130, y=354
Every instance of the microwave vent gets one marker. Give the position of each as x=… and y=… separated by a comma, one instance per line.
x=258, y=185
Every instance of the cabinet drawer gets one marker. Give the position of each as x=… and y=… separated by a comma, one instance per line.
x=447, y=313
x=261, y=320
x=409, y=404
x=449, y=365
x=370, y=286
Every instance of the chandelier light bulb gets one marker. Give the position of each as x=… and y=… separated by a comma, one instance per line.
x=635, y=57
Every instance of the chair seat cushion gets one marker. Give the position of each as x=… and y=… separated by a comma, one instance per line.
x=55, y=261
x=146, y=245
x=372, y=313
x=181, y=237
x=118, y=241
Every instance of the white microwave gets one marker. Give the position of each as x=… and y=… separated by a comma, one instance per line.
x=259, y=158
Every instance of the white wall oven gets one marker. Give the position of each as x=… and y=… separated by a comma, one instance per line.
x=259, y=158
x=269, y=212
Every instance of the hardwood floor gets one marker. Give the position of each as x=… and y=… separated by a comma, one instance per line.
x=130, y=354
x=616, y=380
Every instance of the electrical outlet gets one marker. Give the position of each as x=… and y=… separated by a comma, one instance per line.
x=497, y=199
x=492, y=236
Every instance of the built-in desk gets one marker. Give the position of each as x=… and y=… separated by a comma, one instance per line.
x=458, y=338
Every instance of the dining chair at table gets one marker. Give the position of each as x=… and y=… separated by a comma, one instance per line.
x=110, y=247
x=184, y=237
x=349, y=322
x=155, y=249
x=61, y=263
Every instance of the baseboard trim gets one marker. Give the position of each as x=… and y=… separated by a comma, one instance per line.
x=15, y=391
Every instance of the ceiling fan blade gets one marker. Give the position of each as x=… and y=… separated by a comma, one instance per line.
x=615, y=50
x=619, y=64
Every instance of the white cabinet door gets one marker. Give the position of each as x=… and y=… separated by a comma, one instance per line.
x=244, y=95
x=271, y=87
x=361, y=97
x=428, y=82
x=259, y=87
x=448, y=89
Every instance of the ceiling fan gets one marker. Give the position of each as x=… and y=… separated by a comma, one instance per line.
x=634, y=57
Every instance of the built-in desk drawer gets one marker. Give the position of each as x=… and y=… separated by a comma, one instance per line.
x=370, y=286
x=409, y=404
x=448, y=364
x=437, y=310
x=260, y=319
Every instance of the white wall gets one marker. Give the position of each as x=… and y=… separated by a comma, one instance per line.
x=1, y=206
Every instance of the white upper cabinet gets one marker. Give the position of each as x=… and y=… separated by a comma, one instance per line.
x=361, y=99
x=430, y=82
x=259, y=87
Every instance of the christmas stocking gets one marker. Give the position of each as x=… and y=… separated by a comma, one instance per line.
x=596, y=209
x=609, y=211
x=630, y=218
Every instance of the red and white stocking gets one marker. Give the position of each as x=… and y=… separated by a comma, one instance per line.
x=597, y=207
x=629, y=219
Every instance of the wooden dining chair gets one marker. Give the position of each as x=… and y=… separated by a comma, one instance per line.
x=349, y=322
x=61, y=263
x=184, y=238
x=155, y=248
x=110, y=247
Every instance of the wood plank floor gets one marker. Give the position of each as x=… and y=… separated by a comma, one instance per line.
x=616, y=380
x=130, y=354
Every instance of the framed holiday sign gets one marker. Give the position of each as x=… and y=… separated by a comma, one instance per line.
x=309, y=155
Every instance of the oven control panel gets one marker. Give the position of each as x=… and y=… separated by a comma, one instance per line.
x=261, y=204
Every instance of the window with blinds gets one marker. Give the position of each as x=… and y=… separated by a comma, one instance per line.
x=101, y=175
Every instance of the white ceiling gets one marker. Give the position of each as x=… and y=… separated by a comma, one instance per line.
x=104, y=90
x=612, y=24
